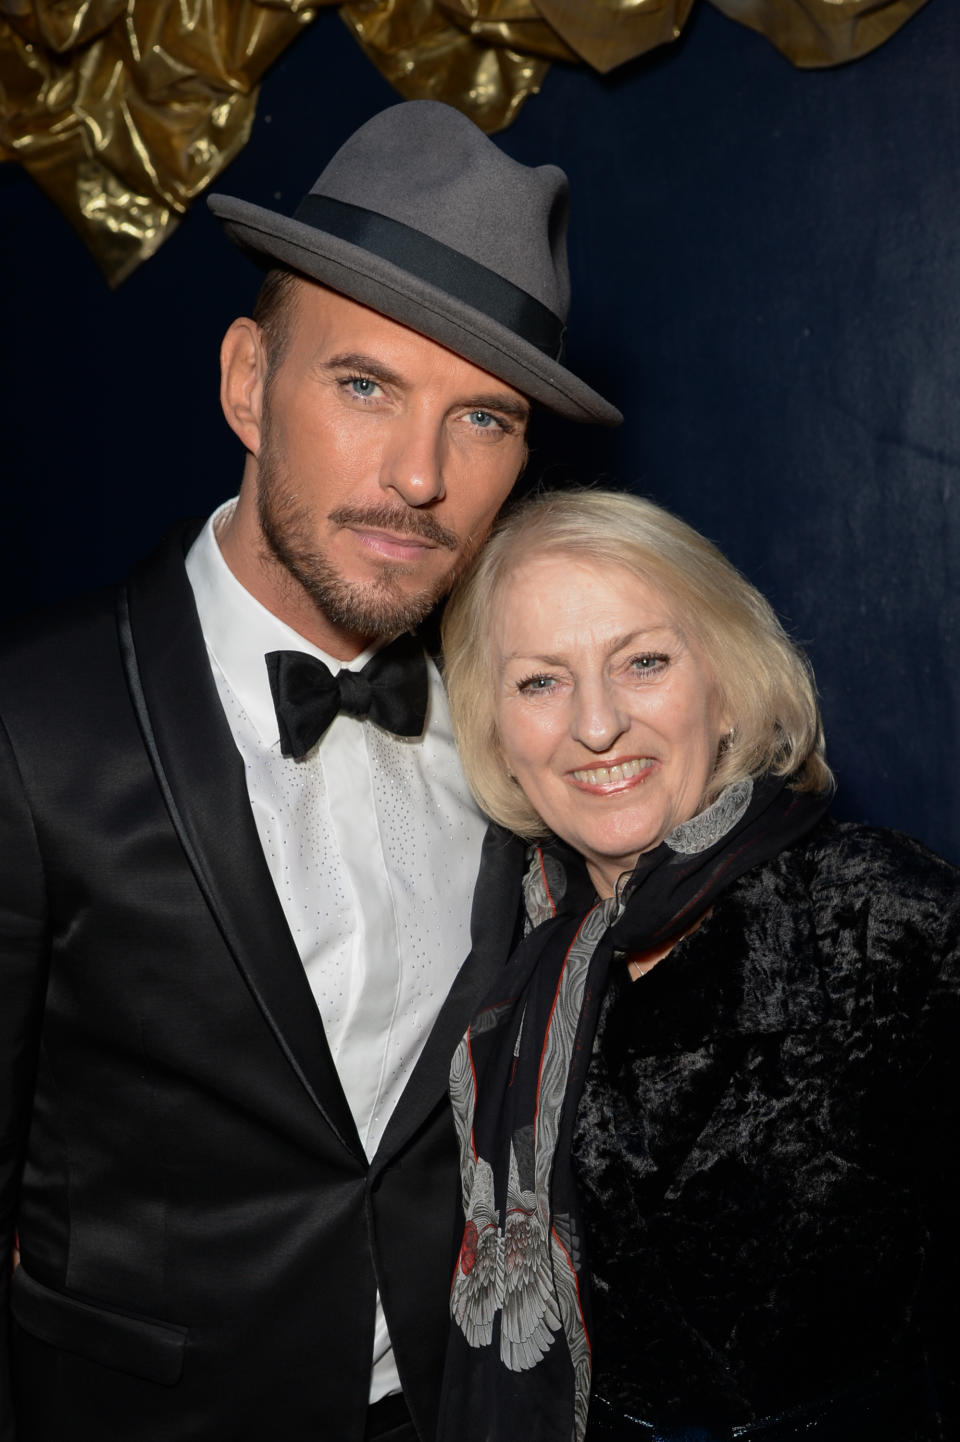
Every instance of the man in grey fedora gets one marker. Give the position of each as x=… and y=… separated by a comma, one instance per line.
x=239, y=854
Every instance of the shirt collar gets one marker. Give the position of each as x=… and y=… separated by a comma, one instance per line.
x=239, y=631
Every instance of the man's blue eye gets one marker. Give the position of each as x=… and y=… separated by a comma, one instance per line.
x=483, y=419
x=362, y=386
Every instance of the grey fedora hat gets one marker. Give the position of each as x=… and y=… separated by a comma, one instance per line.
x=421, y=217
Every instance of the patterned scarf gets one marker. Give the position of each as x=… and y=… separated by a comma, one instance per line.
x=518, y=1362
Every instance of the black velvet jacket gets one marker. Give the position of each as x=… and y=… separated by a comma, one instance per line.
x=767, y=1143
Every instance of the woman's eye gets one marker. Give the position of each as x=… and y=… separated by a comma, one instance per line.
x=535, y=684
x=647, y=664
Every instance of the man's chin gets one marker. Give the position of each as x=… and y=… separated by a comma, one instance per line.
x=365, y=598
x=374, y=610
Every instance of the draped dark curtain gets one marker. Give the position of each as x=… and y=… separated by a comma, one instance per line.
x=766, y=267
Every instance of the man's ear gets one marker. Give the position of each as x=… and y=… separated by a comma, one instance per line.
x=243, y=373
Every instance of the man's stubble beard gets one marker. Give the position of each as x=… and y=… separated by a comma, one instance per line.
x=376, y=609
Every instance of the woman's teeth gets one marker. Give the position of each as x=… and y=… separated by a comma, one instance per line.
x=603, y=775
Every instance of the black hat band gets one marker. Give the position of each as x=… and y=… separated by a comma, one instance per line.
x=439, y=265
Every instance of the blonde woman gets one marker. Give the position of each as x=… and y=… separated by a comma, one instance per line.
x=708, y=1119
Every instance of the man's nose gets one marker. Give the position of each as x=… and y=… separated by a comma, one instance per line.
x=598, y=718
x=413, y=460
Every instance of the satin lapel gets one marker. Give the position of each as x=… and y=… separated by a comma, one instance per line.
x=493, y=923
x=202, y=779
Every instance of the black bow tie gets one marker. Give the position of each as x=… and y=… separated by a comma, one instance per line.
x=391, y=689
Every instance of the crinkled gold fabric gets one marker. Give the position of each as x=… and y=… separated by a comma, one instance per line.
x=125, y=110
x=813, y=33
x=430, y=49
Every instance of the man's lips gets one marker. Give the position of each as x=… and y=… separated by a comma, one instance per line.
x=619, y=774
x=399, y=535
x=394, y=548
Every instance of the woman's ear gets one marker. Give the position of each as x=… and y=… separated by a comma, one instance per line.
x=501, y=757
x=722, y=715
x=243, y=374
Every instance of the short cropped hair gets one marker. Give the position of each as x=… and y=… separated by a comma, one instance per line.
x=273, y=313
x=761, y=680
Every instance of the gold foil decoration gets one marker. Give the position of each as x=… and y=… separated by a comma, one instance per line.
x=124, y=111
x=487, y=56
x=607, y=33
x=515, y=23
x=814, y=33
x=427, y=50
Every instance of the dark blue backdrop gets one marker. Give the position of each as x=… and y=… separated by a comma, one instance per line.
x=766, y=271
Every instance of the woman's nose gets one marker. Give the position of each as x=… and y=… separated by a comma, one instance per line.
x=598, y=719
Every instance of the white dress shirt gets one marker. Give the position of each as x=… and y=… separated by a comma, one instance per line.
x=373, y=843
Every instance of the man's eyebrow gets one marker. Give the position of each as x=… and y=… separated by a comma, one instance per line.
x=499, y=401
x=367, y=365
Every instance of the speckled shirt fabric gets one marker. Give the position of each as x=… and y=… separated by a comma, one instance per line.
x=767, y=1149
x=373, y=844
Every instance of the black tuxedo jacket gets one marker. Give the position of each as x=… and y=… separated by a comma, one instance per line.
x=201, y=1233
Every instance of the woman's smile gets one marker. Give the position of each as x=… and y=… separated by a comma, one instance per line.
x=614, y=776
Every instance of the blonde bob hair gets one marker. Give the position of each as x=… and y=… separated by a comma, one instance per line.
x=762, y=682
